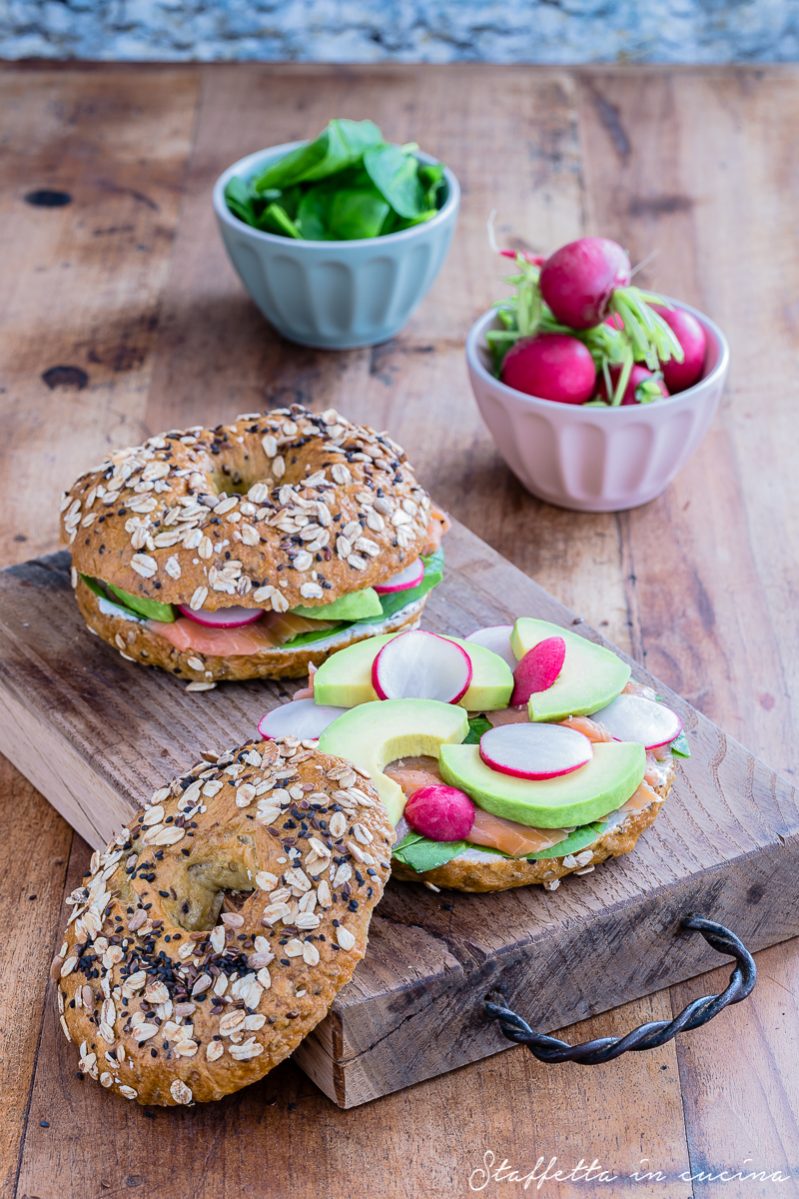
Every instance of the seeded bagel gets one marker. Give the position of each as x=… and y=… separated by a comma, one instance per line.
x=272, y=511
x=212, y=934
x=481, y=872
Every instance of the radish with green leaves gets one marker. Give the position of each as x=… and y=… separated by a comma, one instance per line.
x=692, y=339
x=552, y=366
x=641, y=387
x=579, y=280
x=580, y=304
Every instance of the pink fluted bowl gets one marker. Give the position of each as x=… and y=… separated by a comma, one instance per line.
x=596, y=459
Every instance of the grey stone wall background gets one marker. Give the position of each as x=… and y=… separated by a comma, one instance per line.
x=503, y=31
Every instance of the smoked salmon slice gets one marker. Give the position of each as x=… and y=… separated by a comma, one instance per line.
x=588, y=727
x=271, y=631
x=414, y=773
x=439, y=525
x=512, y=838
x=640, y=799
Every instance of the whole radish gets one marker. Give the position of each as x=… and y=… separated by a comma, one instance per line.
x=691, y=336
x=579, y=279
x=552, y=366
x=642, y=386
x=440, y=812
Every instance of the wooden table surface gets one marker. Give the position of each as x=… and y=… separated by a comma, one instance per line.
x=120, y=316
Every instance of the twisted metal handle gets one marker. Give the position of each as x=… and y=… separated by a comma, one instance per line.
x=656, y=1032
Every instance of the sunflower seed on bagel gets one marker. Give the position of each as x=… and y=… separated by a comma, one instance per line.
x=212, y=935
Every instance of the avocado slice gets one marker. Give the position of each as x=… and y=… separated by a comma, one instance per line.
x=376, y=733
x=591, y=677
x=604, y=784
x=150, y=609
x=356, y=606
x=345, y=679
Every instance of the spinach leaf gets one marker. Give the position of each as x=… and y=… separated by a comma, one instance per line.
x=313, y=214
x=240, y=201
x=585, y=835
x=314, y=635
x=391, y=604
x=680, y=747
x=477, y=726
x=357, y=212
x=396, y=600
x=431, y=177
x=275, y=219
x=396, y=176
x=341, y=144
x=420, y=854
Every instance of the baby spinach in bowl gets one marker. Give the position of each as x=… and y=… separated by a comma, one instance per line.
x=347, y=184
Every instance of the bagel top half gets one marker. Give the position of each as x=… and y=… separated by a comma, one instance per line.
x=273, y=511
x=214, y=932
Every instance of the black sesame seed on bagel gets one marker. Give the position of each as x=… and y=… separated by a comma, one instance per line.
x=213, y=934
x=273, y=513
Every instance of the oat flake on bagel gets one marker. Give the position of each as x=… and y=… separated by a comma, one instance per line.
x=212, y=935
x=272, y=511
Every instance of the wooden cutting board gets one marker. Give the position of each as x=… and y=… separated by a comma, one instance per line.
x=97, y=734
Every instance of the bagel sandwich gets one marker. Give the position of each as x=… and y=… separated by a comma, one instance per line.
x=253, y=549
x=543, y=759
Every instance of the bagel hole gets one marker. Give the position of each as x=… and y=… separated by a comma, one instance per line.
x=215, y=883
x=233, y=482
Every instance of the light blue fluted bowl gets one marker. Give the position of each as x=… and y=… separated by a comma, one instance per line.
x=335, y=295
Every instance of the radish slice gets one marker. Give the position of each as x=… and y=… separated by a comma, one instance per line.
x=300, y=718
x=419, y=665
x=535, y=751
x=440, y=812
x=538, y=669
x=222, y=618
x=633, y=718
x=411, y=576
x=496, y=637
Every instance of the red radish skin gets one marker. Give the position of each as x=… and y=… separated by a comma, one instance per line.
x=693, y=339
x=538, y=669
x=422, y=665
x=441, y=813
x=411, y=576
x=300, y=718
x=551, y=366
x=222, y=618
x=638, y=375
x=535, y=751
x=579, y=279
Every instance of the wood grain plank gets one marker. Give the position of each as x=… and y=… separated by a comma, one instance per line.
x=585, y=560
x=81, y=304
x=713, y=538
x=31, y=888
x=90, y=715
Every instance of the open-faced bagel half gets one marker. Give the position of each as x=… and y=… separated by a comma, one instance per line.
x=275, y=512
x=482, y=872
x=212, y=935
